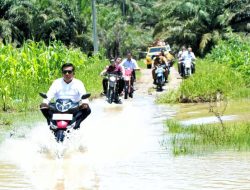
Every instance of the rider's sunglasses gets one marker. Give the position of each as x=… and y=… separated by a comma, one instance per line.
x=67, y=71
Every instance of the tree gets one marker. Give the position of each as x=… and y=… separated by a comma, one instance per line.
x=200, y=23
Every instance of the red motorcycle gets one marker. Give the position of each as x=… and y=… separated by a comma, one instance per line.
x=128, y=86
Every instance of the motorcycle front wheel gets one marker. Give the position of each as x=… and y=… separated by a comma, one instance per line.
x=110, y=95
x=126, y=90
x=59, y=135
x=159, y=84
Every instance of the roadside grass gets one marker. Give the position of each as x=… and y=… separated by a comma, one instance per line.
x=209, y=80
x=225, y=72
x=31, y=69
x=198, y=139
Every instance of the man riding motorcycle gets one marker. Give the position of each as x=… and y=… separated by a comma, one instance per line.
x=113, y=68
x=188, y=57
x=67, y=87
x=180, y=61
x=160, y=60
x=130, y=63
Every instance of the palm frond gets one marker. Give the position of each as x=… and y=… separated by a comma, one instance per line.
x=205, y=39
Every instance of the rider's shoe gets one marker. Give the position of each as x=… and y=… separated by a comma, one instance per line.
x=103, y=94
x=121, y=94
x=118, y=101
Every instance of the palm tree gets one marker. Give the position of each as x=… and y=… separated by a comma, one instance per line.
x=197, y=22
x=15, y=19
x=238, y=14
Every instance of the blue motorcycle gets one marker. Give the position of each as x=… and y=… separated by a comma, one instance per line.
x=160, y=78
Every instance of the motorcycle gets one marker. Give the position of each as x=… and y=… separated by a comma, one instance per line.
x=160, y=78
x=187, y=67
x=62, y=119
x=128, y=80
x=112, y=90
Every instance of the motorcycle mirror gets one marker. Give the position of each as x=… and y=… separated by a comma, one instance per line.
x=43, y=95
x=85, y=96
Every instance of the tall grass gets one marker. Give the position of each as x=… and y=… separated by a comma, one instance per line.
x=226, y=70
x=210, y=137
x=211, y=78
x=31, y=69
x=234, y=52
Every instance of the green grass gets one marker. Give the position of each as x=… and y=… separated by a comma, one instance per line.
x=209, y=80
x=198, y=139
x=26, y=71
x=226, y=70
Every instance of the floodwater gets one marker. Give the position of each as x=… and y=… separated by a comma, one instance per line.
x=118, y=148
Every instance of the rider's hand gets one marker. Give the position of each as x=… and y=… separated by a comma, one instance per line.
x=44, y=106
x=84, y=106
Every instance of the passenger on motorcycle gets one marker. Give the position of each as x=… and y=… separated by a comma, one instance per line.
x=118, y=62
x=131, y=63
x=113, y=68
x=193, y=62
x=170, y=58
x=67, y=87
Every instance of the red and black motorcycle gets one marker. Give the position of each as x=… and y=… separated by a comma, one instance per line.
x=62, y=119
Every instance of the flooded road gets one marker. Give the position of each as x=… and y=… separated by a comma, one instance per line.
x=119, y=147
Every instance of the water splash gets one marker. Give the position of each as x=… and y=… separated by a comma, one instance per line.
x=36, y=155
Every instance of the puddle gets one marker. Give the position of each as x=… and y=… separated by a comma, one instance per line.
x=208, y=120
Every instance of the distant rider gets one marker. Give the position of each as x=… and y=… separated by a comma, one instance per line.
x=113, y=68
x=180, y=61
x=160, y=60
x=170, y=58
x=188, y=56
x=67, y=87
x=193, y=60
x=131, y=63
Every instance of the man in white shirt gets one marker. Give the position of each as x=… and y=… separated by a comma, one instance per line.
x=131, y=63
x=67, y=87
x=188, y=58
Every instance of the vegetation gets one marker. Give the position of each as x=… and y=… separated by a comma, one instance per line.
x=200, y=23
x=225, y=72
x=234, y=52
x=202, y=138
x=37, y=36
x=31, y=69
x=123, y=24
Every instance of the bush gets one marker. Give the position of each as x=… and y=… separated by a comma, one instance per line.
x=32, y=68
x=234, y=52
x=210, y=79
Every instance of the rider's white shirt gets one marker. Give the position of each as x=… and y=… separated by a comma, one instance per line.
x=188, y=57
x=62, y=90
x=129, y=64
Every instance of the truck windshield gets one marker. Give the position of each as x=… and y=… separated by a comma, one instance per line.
x=158, y=49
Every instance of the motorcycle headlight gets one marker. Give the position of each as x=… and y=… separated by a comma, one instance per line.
x=63, y=107
x=112, y=78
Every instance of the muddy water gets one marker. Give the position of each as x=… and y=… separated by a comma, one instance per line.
x=118, y=148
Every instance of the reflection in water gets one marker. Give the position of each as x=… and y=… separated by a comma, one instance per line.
x=119, y=147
